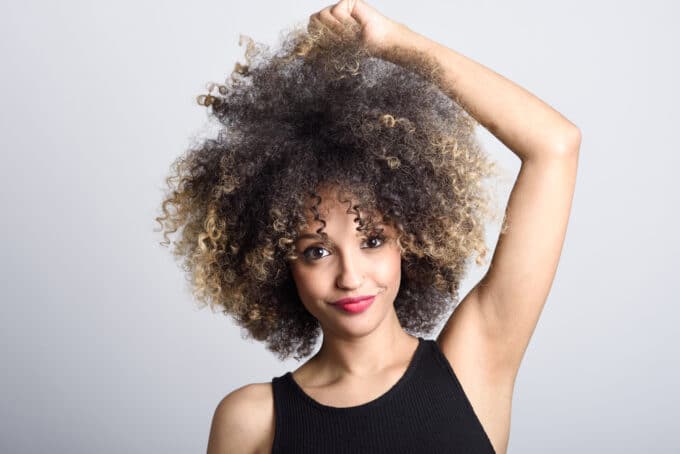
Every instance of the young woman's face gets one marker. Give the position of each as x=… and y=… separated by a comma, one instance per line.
x=351, y=264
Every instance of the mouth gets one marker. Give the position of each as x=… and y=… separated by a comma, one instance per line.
x=354, y=305
x=353, y=300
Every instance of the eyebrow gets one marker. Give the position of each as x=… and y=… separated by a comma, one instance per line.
x=313, y=236
x=316, y=236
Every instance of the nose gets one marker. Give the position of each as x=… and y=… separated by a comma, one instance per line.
x=350, y=272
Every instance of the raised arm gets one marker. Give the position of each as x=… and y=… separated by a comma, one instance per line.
x=509, y=298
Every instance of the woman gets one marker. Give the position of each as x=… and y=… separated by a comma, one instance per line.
x=344, y=198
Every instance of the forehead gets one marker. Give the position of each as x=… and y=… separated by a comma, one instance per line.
x=334, y=211
x=333, y=202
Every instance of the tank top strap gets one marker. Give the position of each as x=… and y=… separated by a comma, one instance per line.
x=439, y=366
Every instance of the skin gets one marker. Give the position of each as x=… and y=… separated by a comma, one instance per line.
x=355, y=346
x=486, y=336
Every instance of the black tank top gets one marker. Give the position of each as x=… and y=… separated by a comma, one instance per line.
x=426, y=411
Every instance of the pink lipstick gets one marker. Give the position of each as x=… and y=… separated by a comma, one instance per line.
x=354, y=305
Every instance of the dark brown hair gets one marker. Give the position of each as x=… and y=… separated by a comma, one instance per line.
x=323, y=111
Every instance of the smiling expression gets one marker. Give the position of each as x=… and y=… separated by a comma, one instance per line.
x=350, y=264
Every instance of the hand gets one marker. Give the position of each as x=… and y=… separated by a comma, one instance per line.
x=378, y=33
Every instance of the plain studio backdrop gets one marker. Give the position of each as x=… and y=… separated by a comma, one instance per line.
x=103, y=349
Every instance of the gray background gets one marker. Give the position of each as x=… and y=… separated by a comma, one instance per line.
x=102, y=348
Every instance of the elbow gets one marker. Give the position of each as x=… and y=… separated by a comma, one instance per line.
x=570, y=143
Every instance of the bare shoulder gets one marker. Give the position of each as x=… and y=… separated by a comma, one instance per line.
x=244, y=421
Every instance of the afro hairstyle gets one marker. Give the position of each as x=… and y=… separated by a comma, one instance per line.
x=319, y=111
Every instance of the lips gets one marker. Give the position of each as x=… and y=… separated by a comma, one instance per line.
x=357, y=305
x=353, y=300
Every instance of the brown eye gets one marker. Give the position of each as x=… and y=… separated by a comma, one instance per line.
x=313, y=253
x=379, y=239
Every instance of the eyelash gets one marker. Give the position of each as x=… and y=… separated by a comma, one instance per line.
x=373, y=237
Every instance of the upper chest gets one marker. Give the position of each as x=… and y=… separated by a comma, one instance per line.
x=348, y=393
x=419, y=411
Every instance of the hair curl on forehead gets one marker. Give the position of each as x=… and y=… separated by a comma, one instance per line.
x=321, y=112
x=358, y=201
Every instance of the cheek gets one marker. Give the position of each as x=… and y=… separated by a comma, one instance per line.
x=308, y=280
x=389, y=269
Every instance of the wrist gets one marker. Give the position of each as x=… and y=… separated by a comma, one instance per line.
x=402, y=43
x=398, y=37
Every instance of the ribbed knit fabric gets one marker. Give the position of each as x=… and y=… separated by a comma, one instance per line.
x=426, y=411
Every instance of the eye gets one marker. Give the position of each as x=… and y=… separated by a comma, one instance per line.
x=311, y=253
x=380, y=239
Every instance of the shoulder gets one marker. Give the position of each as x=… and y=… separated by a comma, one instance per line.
x=244, y=421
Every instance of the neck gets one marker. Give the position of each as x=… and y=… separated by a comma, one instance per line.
x=341, y=356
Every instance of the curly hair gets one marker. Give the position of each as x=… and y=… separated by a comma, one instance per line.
x=322, y=111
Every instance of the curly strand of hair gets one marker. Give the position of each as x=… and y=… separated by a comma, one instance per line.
x=315, y=211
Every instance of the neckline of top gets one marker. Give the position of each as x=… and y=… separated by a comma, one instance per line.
x=386, y=395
